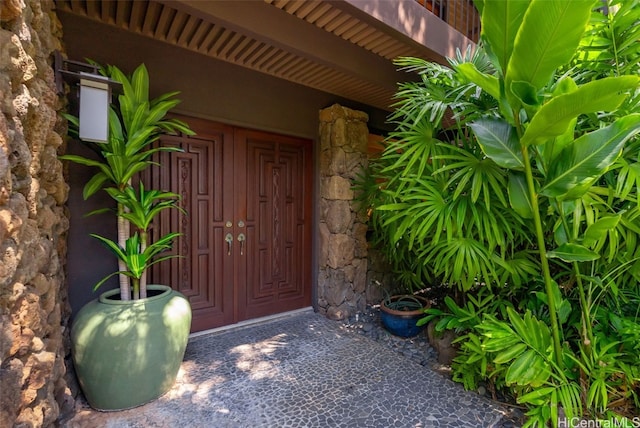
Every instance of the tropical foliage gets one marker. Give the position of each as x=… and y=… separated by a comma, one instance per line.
x=513, y=176
x=135, y=123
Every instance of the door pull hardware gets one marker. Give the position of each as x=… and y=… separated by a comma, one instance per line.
x=242, y=238
x=229, y=239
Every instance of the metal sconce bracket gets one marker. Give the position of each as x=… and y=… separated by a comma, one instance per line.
x=94, y=96
x=72, y=71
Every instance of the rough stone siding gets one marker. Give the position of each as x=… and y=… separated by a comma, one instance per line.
x=380, y=277
x=33, y=224
x=342, y=273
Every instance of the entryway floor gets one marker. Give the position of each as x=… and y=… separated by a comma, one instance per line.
x=301, y=370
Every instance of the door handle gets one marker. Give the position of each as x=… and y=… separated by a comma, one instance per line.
x=229, y=239
x=242, y=238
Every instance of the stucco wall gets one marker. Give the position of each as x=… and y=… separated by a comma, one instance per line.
x=209, y=89
x=33, y=224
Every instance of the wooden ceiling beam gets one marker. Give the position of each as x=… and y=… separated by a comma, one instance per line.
x=275, y=27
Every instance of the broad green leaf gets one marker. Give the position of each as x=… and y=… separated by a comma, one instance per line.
x=159, y=110
x=528, y=369
x=94, y=184
x=498, y=343
x=500, y=23
x=538, y=396
x=499, y=142
x=519, y=195
x=488, y=83
x=599, y=229
x=564, y=86
x=140, y=84
x=564, y=310
x=518, y=324
x=552, y=147
x=510, y=353
x=81, y=160
x=526, y=93
x=111, y=245
x=137, y=120
x=554, y=118
x=569, y=252
x=559, y=233
x=547, y=39
x=580, y=164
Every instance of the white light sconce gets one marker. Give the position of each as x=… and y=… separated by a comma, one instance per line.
x=94, y=96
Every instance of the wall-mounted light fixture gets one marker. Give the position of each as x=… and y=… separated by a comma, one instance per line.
x=94, y=96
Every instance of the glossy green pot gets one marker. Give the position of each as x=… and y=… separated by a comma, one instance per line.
x=127, y=353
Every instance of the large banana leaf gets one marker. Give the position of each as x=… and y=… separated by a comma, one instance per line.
x=519, y=195
x=501, y=21
x=554, y=117
x=499, y=142
x=490, y=84
x=580, y=164
x=547, y=39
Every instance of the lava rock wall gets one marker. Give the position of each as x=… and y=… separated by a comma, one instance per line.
x=33, y=222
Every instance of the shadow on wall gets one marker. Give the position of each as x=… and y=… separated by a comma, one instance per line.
x=84, y=272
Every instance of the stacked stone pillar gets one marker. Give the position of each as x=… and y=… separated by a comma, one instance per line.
x=33, y=223
x=342, y=272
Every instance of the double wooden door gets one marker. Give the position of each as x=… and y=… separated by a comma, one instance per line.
x=245, y=248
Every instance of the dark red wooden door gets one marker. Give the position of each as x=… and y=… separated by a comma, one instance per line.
x=246, y=239
x=274, y=192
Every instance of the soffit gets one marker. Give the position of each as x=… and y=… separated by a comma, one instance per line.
x=331, y=46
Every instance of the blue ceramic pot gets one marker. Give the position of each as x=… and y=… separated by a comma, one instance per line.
x=400, y=319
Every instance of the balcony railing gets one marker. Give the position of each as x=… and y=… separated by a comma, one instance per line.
x=460, y=14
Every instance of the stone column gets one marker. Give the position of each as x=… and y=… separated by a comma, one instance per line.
x=33, y=223
x=342, y=272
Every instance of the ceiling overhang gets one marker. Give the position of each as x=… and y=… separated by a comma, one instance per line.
x=343, y=47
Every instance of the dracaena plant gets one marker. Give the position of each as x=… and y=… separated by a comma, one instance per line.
x=137, y=256
x=135, y=123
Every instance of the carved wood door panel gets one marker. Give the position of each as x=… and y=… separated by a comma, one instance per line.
x=198, y=174
x=275, y=203
x=252, y=189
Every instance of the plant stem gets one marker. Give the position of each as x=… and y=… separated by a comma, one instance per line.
x=586, y=319
x=587, y=333
x=143, y=276
x=123, y=235
x=546, y=272
x=136, y=288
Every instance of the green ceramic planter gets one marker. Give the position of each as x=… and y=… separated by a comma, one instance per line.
x=128, y=353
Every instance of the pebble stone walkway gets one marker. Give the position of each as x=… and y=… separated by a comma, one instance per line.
x=302, y=370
